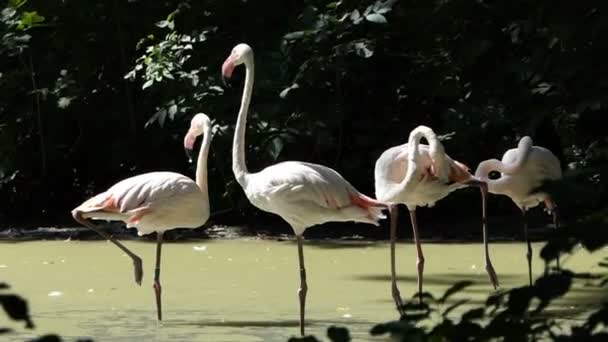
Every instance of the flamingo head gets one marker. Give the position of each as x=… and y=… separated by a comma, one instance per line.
x=200, y=124
x=239, y=55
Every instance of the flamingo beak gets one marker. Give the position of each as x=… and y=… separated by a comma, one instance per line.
x=227, y=69
x=189, y=144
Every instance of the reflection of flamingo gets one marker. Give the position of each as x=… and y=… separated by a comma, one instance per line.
x=420, y=175
x=523, y=170
x=303, y=194
x=155, y=202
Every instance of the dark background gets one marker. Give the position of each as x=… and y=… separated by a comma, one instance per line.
x=481, y=73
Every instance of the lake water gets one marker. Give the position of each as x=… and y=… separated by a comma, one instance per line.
x=245, y=289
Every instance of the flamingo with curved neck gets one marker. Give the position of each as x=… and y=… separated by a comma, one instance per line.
x=523, y=170
x=303, y=194
x=420, y=175
x=155, y=202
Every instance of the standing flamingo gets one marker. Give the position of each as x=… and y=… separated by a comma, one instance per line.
x=524, y=169
x=420, y=175
x=303, y=194
x=155, y=202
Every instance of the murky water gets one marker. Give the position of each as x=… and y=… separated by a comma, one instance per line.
x=244, y=289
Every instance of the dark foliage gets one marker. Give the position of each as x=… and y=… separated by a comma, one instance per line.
x=93, y=93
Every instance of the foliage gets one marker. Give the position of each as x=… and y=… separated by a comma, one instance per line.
x=17, y=309
x=338, y=82
x=513, y=315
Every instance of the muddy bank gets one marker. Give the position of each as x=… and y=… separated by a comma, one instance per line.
x=438, y=230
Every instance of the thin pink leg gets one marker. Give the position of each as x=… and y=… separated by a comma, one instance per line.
x=303, y=290
x=137, y=264
x=420, y=256
x=529, y=249
x=483, y=187
x=394, y=214
x=157, y=287
x=550, y=203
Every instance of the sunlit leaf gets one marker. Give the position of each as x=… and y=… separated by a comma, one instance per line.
x=376, y=18
x=457, y=287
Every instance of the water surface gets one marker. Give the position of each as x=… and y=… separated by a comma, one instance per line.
x=245, y=289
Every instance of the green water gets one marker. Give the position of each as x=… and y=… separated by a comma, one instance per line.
x=244, y=289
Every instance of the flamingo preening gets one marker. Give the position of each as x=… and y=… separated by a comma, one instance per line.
x=303, y=194
x=420, y=175
x=523, y=170
x=155, y=202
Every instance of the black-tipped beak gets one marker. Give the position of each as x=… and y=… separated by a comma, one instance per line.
x=225, y=80
x=188, y=153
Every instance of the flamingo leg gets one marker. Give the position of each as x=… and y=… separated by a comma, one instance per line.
x=157, y=287
x=550, y=203
x=529, y=246
x=137, y=264
x=394, y=214
x=483, y=187
x=303, y=286
x=420, y=256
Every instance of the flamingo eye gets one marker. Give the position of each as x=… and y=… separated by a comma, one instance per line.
x=494, y=175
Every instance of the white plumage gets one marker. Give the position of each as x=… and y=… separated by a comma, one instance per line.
x=151, y=202
x=420, y=175
x=303, y=194
x=155, y=202
x=523, y=170
x=306, y=194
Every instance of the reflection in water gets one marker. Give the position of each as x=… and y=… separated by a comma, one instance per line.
x=245, y=289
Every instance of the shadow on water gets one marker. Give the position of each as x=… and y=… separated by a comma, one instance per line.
x=258, y=324
x=434, y=279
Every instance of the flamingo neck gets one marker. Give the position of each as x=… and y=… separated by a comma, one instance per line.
x=239, y=167
x=500, y=185
x=435, y=147
x=495, y=186
x=201, y=164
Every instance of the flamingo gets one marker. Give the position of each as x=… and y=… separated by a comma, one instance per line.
x=523, y=170
x=420, y=175
x=155, y=202
x=303, y=194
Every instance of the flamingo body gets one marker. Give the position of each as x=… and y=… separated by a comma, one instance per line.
x=155, y=202
x=522, y=171
x=303, y=194
x=419, y=175
x=306, y=194
x=541, y=165
x=392, y=167
x=151, y=202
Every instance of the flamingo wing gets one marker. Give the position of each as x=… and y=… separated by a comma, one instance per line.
x=137, y=193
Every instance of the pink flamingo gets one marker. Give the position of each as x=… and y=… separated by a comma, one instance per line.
x=420, y=175
x=523, y=170
x=155, y=202
x=303, y=194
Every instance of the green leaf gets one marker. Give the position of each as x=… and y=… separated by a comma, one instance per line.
x=338, y=334
x=459, y=286
x=148, y=83
x=294, y=35
x=172, y=111
x=334, y=4
x=17, y=3
x=364, y=50
x=376, y=18
x=29, y=20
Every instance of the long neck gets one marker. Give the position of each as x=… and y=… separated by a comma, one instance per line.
x=495, y=186
x=239, y=167
x=435, y=147
x=201, y=164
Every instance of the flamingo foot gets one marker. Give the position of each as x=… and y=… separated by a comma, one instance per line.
x=157, y=292
x=492, y=274
x=398, y=300
x=138, y=268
